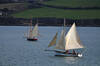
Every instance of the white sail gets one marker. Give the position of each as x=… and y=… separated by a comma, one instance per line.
x=72, y=39
x=53, y=41
x=61, y=42
x=35, y=31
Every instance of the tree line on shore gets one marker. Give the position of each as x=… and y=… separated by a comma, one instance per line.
x=48, y=21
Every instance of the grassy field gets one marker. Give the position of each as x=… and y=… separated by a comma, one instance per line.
x=74, y=3
x=58, y=13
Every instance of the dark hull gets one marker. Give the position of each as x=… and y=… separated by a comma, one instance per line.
x=59, y=51
x=32, y=39
x=66, y=55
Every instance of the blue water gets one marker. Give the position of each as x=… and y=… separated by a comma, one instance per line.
x=15, y=50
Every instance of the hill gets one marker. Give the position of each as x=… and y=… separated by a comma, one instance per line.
x=59, y=13
x=74, y=3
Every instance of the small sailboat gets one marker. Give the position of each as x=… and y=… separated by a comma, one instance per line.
x=66, y=43
x=33, y=33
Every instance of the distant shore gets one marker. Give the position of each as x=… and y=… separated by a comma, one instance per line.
x=48, y=21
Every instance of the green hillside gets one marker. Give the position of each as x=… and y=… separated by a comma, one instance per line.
x=74, y=3
x=59, y=13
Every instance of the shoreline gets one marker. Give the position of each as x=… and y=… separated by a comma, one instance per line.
x=48, y=21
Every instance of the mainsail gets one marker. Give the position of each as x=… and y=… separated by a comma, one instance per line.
x=61, y=42
x=53, y=41
x=30, y=34
x=72, y=40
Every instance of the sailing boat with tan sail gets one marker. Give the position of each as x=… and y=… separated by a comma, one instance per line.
x=70, y=41
x=33, y=33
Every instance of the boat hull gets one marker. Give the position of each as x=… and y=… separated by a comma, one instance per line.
x=59, y=51
x=67, y=55
x=34, y=39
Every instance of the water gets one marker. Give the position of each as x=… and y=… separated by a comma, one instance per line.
x=15, y=50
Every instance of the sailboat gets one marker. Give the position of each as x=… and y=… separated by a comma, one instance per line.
x=66, y=43
x=33, y=33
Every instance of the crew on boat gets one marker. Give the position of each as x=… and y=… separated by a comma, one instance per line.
x=67, y=52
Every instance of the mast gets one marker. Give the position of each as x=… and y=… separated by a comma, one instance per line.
x=61, y=42
x=64, y=23
x=31, y=25
x=30, y=31
x=64, y=28
x=37, y=20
